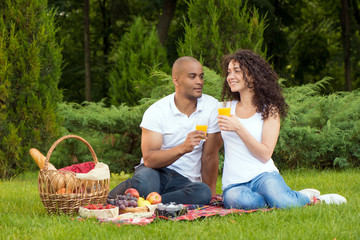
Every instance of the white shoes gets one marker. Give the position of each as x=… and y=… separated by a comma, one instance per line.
x=310, y=193
x=326, y=198
x=332, y=198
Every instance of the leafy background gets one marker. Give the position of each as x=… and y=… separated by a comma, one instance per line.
x=44, y=95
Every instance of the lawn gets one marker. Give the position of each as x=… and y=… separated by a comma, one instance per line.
x=23, y=216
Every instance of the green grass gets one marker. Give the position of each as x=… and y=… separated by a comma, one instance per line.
x=22, y=215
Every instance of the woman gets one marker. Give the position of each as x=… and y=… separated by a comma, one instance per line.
x=250, y=178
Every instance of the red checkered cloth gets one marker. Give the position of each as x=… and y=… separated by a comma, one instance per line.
x=194, y=212
x=208, y=211
x=80, y=167
x=128, y=221
x=202, y=212
x=217, y=200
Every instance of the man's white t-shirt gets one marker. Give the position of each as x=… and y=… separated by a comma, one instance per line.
x=240, y=165
x=165, y=118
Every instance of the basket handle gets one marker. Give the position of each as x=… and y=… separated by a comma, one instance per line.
x=66, y=137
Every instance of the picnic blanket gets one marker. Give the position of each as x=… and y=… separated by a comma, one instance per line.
x=194, y=212
x=205, y=211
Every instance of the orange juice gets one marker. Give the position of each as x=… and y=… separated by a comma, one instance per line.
x=202, y=128
x=224, y=111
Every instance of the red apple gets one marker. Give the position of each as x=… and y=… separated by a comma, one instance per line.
x=133, y=192
x=154, y=198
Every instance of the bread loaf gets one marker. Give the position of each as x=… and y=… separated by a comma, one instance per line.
x=39, y=158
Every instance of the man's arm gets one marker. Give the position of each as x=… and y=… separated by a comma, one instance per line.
x=154, y=157
x=210, y=160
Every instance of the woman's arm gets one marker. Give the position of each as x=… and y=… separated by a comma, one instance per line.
x=261, y=150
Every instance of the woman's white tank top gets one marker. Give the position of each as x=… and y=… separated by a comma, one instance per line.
x=240, y=165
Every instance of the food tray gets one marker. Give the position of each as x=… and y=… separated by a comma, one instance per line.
x=99, y=213
x=135, y=210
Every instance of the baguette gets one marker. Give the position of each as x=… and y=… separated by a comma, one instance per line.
x=39, y=158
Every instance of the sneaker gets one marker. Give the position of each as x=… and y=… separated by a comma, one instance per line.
x=332, y=198
x=310, y=193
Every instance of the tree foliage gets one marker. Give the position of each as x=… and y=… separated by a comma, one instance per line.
x=221, y=28
x=315, y=46
x=30, y=68
x=138, y=51
x=129, y=65
x=302, y=39
x=109, y=21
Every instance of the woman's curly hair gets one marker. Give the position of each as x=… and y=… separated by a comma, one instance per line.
x=261, y=79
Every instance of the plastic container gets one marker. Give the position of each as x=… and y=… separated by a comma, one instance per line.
x=171, y=210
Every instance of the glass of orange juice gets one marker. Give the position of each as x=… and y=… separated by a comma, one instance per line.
x=202, y=124
x=224, y=108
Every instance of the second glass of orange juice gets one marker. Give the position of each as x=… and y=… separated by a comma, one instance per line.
x=202, y=124
x=224, y=108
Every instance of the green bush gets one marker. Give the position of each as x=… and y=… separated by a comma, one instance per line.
x=113, y=132
x=320, y=131
x=215, y=28
x=139, y=50
x=30, y=68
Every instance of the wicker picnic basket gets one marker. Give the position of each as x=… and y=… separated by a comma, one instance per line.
x=61, y=192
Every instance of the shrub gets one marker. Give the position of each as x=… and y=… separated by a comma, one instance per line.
x=320, y=131
x=113, y=132
x=30, y=68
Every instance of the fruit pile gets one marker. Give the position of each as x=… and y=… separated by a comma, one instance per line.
x=124, y=201
x=98, y=206
x=132, y=199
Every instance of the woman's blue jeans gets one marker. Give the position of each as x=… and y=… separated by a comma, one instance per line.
x=172, y=186
x=265, y=190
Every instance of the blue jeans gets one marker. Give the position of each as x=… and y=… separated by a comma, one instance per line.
x=172, y=186
x=265, y=190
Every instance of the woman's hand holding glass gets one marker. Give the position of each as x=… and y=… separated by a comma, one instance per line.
x=228, y=123
x=224, y=116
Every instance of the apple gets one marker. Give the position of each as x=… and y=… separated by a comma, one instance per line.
x=140, y=199
x=144, y=203
x=133, y=192
x=154, y=198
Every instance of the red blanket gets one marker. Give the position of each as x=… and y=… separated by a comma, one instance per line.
x=202, y=212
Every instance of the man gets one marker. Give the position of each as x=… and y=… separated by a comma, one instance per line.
x=176, y=158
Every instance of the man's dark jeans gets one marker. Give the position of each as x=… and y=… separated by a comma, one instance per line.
x=172, y=186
